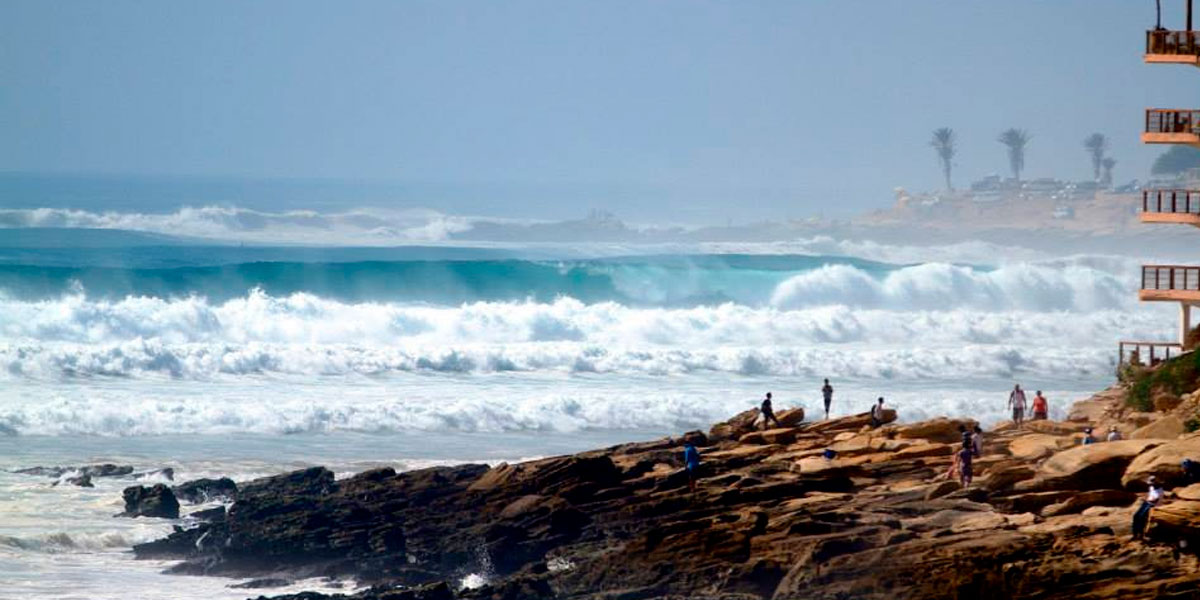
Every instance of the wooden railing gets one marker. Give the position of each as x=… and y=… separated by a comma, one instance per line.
x=1171, y=201
x=1173, y=42
x=1146, y=353
x=1167, y=120
x=1170, y=277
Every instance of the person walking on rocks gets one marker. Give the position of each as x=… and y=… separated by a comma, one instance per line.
x=827, y=392
x=691, y=461
x=977, y=441
x=768, y=413
x=1041, y=410
x=1016, y=401
x=965, y=457
x=877, y=414
x=1142, y=517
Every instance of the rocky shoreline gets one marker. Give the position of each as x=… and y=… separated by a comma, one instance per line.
x=772, y=517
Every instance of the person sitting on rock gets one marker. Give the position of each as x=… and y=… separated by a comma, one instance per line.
x=1088, y=438
x=1016, y=401
x=977, y=441
x=1041, y=410
x=1142, y=517
x=691, y=461
x=1191, y=471
x=768, y=413
x=1114, y=434
x=877, y=414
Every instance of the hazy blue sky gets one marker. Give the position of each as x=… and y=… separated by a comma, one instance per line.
x=687, y=110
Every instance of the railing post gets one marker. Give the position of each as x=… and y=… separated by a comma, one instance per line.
x=1173, y=205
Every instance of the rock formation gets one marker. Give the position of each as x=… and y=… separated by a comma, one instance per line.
x=772, y=518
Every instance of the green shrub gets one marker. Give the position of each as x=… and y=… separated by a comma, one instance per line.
x=1177, y=376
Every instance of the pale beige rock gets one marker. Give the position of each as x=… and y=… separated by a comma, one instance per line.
x=1168, y=427
x=1095, y=466
x=942, y=430
x=1037, y=446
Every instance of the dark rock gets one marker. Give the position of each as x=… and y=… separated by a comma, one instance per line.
x=103, y=470
x=265, y=582
x=311, y=481
x=167, y=473
x=199, y=491
x=81, y=481
x=210, y=514
x=157, y=501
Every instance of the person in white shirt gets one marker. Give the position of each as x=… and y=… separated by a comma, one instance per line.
x=1142, y=517
x=1114, y=434
x=1016, y=401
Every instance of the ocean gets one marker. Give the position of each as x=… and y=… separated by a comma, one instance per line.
x=247, y=359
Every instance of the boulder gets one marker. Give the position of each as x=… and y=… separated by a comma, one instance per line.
x=1165, y=401
x=1090, y=467
x=924, y=451
x=1054, y=427
x=1036, y=446
x=790, y=417
x=199, y=491
x=81, y=481
x=1163, y=462
x=1083, y=500
x=1191, y=492
x=741, y=424
x=1178, y=518
x=157, y=501
x=1168, y=427
x=941, y=429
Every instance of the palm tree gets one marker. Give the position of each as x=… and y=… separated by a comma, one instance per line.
x=943, y=144
x=1108, y=163
x=1016, y=140
x=1096, y=144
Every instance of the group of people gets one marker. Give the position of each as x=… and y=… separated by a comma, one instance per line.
x=1016, y=402
x=964, y=457
x=768, y=411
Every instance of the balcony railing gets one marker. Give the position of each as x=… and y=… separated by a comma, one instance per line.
x=1185, y=43
x=1160, y=120
x=1171, y=201
x=1171, y=278
x=1146, y=353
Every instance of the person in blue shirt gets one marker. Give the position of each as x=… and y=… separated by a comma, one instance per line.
x=691, y=460
x=1087, y=437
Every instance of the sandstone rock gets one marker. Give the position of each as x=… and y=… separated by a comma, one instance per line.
x=736, y=427
x=1178, y=517
x=924, y=451
x=1037, y=446
x=942, y=430
x=942, y=488
x=1190, y=492
x=1164, y=400
x=770, y=436
x=1168, y=427
x=1054, y=427
x=1163, y=462
x=1083, y=500
x=791, y=417
x=157, y=501
x=1095, y=466
x=1004, y=478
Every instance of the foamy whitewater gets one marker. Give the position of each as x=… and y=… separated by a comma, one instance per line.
x=247, y=361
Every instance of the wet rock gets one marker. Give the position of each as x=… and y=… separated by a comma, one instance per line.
x=81, y=481
x=157, y=501
x=100, y=470
x=265, y=582
x=199, y=491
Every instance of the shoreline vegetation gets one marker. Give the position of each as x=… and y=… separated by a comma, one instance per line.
x=772, y=517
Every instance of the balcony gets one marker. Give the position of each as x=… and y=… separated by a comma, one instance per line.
x=1173, y=47
x=1170, y=283
x=1172, y=126
x=1171, y=206
x=1146, y=353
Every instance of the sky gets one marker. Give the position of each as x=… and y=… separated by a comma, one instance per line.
x=673, y=111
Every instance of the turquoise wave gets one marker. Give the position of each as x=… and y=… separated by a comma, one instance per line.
x=666, y=280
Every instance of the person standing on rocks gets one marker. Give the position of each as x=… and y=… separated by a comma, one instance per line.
x=965, y=457
x=768, y=413
x=1041, y=410
x=877, y=414
x=977, y=441
x=1088, y=438
x=827, y=392
x=1142, y=517
x=691, y=461
x=1016, y=401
